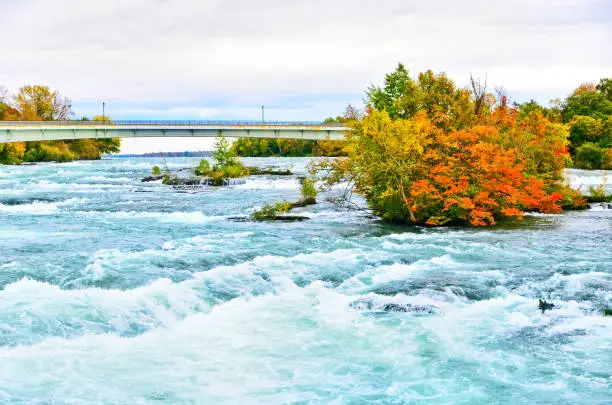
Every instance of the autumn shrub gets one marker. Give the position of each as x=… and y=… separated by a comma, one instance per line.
x=236, y=169
x=270, y=211
x=542, y=145
x=571, y=199
x=308, y=189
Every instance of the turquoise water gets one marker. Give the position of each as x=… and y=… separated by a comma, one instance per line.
x=114, y=291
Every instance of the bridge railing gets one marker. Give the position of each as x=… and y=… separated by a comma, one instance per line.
x=167, y=123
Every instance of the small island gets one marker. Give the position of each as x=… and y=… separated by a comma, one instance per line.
x=226, y=170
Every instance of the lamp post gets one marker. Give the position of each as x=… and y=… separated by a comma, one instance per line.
x=103, y=112
x=262, y=114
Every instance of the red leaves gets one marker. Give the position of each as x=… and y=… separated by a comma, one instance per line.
x=537, y=199
x=471, y=177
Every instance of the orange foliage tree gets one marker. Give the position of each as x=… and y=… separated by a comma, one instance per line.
x=419, y=169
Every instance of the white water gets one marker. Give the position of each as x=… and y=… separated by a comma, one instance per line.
x=114, y=291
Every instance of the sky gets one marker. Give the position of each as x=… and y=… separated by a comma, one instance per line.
x=302, y=60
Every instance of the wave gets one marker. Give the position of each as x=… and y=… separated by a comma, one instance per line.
x=399, y=271
x=103, y=179
x=194, y=217
x=35, y=208
x=279, y=333
x=46, y=185
x=202, y=241
x=68, y=312
x=605, y=207
x=268, y=184
x=542, y=215
x=38, y=207
x=592, y=287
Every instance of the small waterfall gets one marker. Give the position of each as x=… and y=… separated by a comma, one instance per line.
x=205, y=183
x=233, y=182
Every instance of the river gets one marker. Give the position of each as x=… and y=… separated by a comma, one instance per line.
x=114, y=291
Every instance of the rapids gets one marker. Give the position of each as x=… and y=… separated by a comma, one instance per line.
x=114, y=291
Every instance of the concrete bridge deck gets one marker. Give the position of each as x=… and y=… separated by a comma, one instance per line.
x=19, y=131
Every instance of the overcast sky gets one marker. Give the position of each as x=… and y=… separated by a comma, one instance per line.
x=303, y=60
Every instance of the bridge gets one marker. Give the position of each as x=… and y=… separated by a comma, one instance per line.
x=20, y=131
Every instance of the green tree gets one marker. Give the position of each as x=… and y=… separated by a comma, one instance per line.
x=223, y=153
x=588, y=156
x=589, y=100
x=588, y=113
x=203, y=168
x=605, y=87
x=552, y=113
x=585, y=129
x=403, y=97
x=398, y=84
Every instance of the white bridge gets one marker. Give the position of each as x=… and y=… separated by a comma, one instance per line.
x=20, y=131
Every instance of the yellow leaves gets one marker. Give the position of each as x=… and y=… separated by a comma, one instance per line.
x=19, y=148
x=13, y=152
x=389, y=192
x=402, y=139
x=41, y=103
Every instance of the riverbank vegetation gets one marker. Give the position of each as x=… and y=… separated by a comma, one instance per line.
x=587, y=115
x=263, y=147
x=425, y=151
x=40, y=103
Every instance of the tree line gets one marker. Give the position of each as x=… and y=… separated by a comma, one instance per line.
x=40, y=103
x=586, y=114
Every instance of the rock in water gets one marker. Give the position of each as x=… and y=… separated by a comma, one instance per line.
x=152, y=178
x=544, y=306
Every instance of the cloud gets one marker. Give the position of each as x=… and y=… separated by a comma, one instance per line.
x=305, y=59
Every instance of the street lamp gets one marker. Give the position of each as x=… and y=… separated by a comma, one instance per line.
x=103, y=112
x=262, y=114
